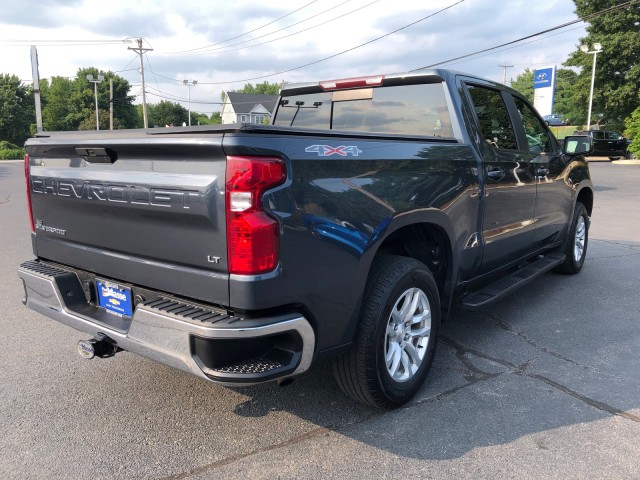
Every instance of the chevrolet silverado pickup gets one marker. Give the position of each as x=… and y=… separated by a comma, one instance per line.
x=348, y=229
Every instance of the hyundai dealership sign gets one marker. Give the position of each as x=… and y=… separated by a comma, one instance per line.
x=544, y=84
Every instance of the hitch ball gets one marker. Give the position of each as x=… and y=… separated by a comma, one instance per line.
x=94, y=347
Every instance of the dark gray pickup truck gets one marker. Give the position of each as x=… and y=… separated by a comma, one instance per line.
x=347, y=229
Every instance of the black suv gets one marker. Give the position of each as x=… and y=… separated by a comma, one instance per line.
x=607, y=143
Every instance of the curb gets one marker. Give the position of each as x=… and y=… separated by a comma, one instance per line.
x=626, y=162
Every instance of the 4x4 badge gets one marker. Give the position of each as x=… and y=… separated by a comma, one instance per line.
x=328, y=150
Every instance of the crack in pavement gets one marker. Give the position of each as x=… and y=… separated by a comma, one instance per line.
x=522, y=370
x=613, y=242
x=494, y=320
x=583, y=398
x=616, y=256
x=6, y=200
x=316, y=432
x=320, y=431
x=474, y=376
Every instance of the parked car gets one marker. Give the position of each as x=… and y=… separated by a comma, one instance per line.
x=607, y=143
x=555, y=120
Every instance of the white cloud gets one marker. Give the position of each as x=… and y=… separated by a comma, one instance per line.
x=170, y=26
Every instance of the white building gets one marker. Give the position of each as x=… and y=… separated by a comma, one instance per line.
x=247, y=108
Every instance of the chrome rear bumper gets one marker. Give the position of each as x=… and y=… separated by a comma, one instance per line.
x=187, y=336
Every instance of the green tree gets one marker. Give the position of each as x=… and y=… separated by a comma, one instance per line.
x=524, y=84
x=617, y=81
x=264, y=88
x=167, y=113
x=203, y=119
x=566, y=97
x=69, y=104
x=16, y=109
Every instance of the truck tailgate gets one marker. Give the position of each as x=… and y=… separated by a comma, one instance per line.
x=142, y=209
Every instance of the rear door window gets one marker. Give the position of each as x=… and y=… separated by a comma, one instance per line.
x=613, y=135
x=537, y=136
x=493, y=117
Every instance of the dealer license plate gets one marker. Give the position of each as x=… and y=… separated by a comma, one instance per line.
x=114, y=298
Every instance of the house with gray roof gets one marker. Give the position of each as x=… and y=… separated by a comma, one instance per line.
x=247, y=107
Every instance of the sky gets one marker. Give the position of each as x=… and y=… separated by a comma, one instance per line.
x=224, y=44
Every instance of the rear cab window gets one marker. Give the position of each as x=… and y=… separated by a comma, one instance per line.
x=419, y=109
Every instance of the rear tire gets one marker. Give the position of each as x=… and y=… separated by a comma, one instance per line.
x=577, y=241
x=397, y=334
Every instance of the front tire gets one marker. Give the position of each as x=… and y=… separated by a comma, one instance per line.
x=577, y=241
x=396, y=337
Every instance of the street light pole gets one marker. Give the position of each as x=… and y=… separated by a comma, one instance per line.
x=597, y=48
x=95, y=89
x=189, y=84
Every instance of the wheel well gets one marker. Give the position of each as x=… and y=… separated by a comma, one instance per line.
x=427, y=243
x=586, y=198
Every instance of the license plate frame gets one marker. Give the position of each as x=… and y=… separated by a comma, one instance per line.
x=114, y=298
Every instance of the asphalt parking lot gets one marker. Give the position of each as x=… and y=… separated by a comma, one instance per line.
x=545, y=384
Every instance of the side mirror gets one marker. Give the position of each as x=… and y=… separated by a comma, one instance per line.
x=577, y=145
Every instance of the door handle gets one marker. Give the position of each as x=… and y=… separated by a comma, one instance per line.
x=495, y=173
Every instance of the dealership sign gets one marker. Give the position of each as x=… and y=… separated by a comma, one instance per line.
x=544, y=84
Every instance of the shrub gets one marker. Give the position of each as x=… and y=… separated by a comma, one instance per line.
x=633, y=131
x=12, y=154
x=4, y=145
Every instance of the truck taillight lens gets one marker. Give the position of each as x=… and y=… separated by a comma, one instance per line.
x=328, y=85
x=27, y=177
x=252, y=235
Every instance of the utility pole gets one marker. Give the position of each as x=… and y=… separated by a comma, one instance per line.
x=140, y=51
x=111, y=104
x=504, y=79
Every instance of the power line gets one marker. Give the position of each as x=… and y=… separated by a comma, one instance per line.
x=247, y=33
x=339, y=53
x=225, y=48
x=586, y=18
x=155, y=79
x=517, y=46
x=285, y=36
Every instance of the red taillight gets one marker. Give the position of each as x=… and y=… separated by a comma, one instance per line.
x=352, y=83
x=27, y=177
x=252, y=235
